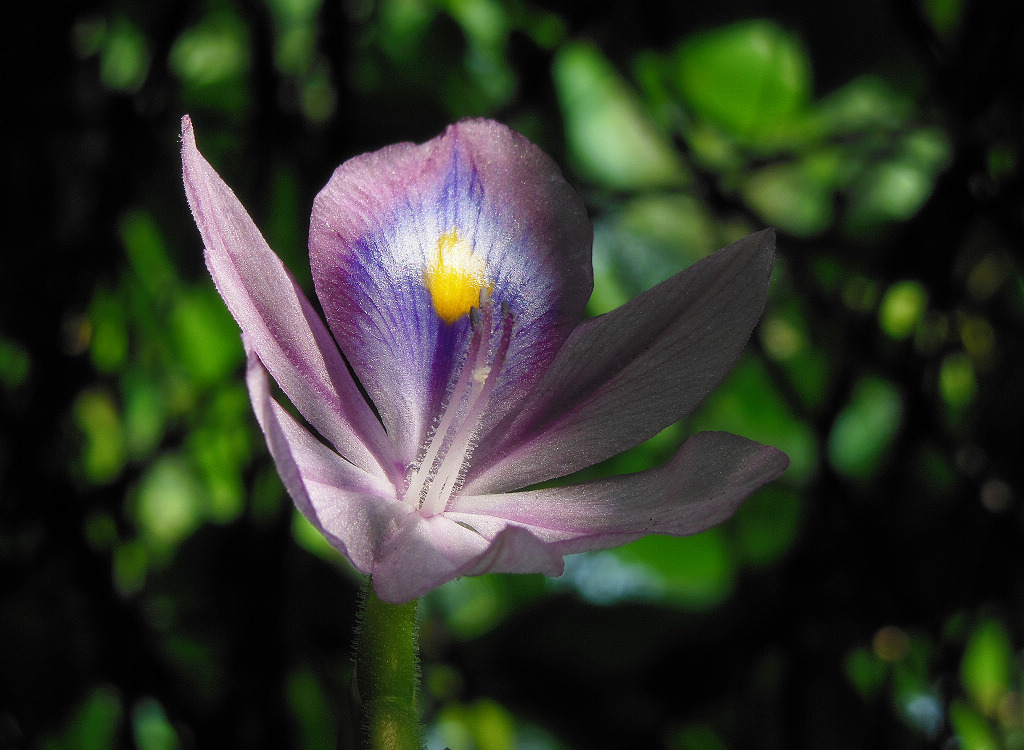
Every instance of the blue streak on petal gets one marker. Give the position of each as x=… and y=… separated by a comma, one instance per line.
x=462, y=193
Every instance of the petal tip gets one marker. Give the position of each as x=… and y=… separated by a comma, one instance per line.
x=190, y=156
x=766, y=242
x=188, y=136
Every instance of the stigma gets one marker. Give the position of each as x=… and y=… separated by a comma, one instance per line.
x=455, y=276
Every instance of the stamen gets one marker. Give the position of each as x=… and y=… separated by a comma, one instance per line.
x=424, y=473
x=442, y=470
x=452, y=471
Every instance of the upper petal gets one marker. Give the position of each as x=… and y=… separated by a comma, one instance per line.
x=272, y=311
x=511, y=226
x=622, y=377
x=700, y=486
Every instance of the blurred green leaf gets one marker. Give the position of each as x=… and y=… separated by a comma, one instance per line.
x=213, y=52
x=545, y=28
x=792, y=196
x=634, y=249
x=486, y=26
x=198, y=663
x=865, y=104
x=490, y=726
x=145, y=414
x=957, y=382
x=103, y=455
x=646, y=239
x=88, y=35
x=695, y=572
x=267, y=496
x=287, y=223
x=471, y=606
x=147, y=252
x=295, y=11
x=131, y=565
x=767, y=524
x=894, y=188
x=609, y=135
x=170, y=502
x=319, y=97
x=312, y=711
x=296, y=47
x=860, y=293
x=95, y=724
x=713, y=149
x=697, y=737
x=751, y=79
x=206, y=338
x=943, y=15
x=15, y=364
x=486, y=725
x=212, y=59
x=866, y=671
x=748, y=403
x=151, y=728
x=403, y=24
x=100, y=531
x=124, y=58
x=220, y=448
x=786, y=339
x=484, y=22
x=107, y=318
x=987, y=666
x=972, y=730
x=659, y=235
x=978, y=337
x=903, y=308
x=863, y=431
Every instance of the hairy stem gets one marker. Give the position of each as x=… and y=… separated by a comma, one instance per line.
x=387, y=675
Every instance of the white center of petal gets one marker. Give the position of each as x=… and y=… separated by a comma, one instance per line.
x=439, y=474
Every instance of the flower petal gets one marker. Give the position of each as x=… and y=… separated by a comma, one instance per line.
x=700, y=486
x=513, y=227
x=353, y=509
x=622, y=377
x=284, y=329
x=426, y=552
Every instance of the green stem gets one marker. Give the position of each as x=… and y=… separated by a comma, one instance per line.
x=387, y=674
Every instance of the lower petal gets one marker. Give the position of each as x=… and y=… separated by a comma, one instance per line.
x=426, y=552
x=702, y=485
x=354, y=510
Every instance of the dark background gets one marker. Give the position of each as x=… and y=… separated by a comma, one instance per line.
x=157, y=589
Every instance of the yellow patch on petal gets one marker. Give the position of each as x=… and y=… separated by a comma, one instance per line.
x=455, y=276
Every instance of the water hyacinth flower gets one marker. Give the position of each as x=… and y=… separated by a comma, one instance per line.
x=455, y=367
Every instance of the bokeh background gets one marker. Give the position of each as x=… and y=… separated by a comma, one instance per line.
x=157, y=589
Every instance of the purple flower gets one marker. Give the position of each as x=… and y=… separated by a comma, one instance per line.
x=454, y=276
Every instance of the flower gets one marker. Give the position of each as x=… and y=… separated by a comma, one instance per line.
x=454, y=276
